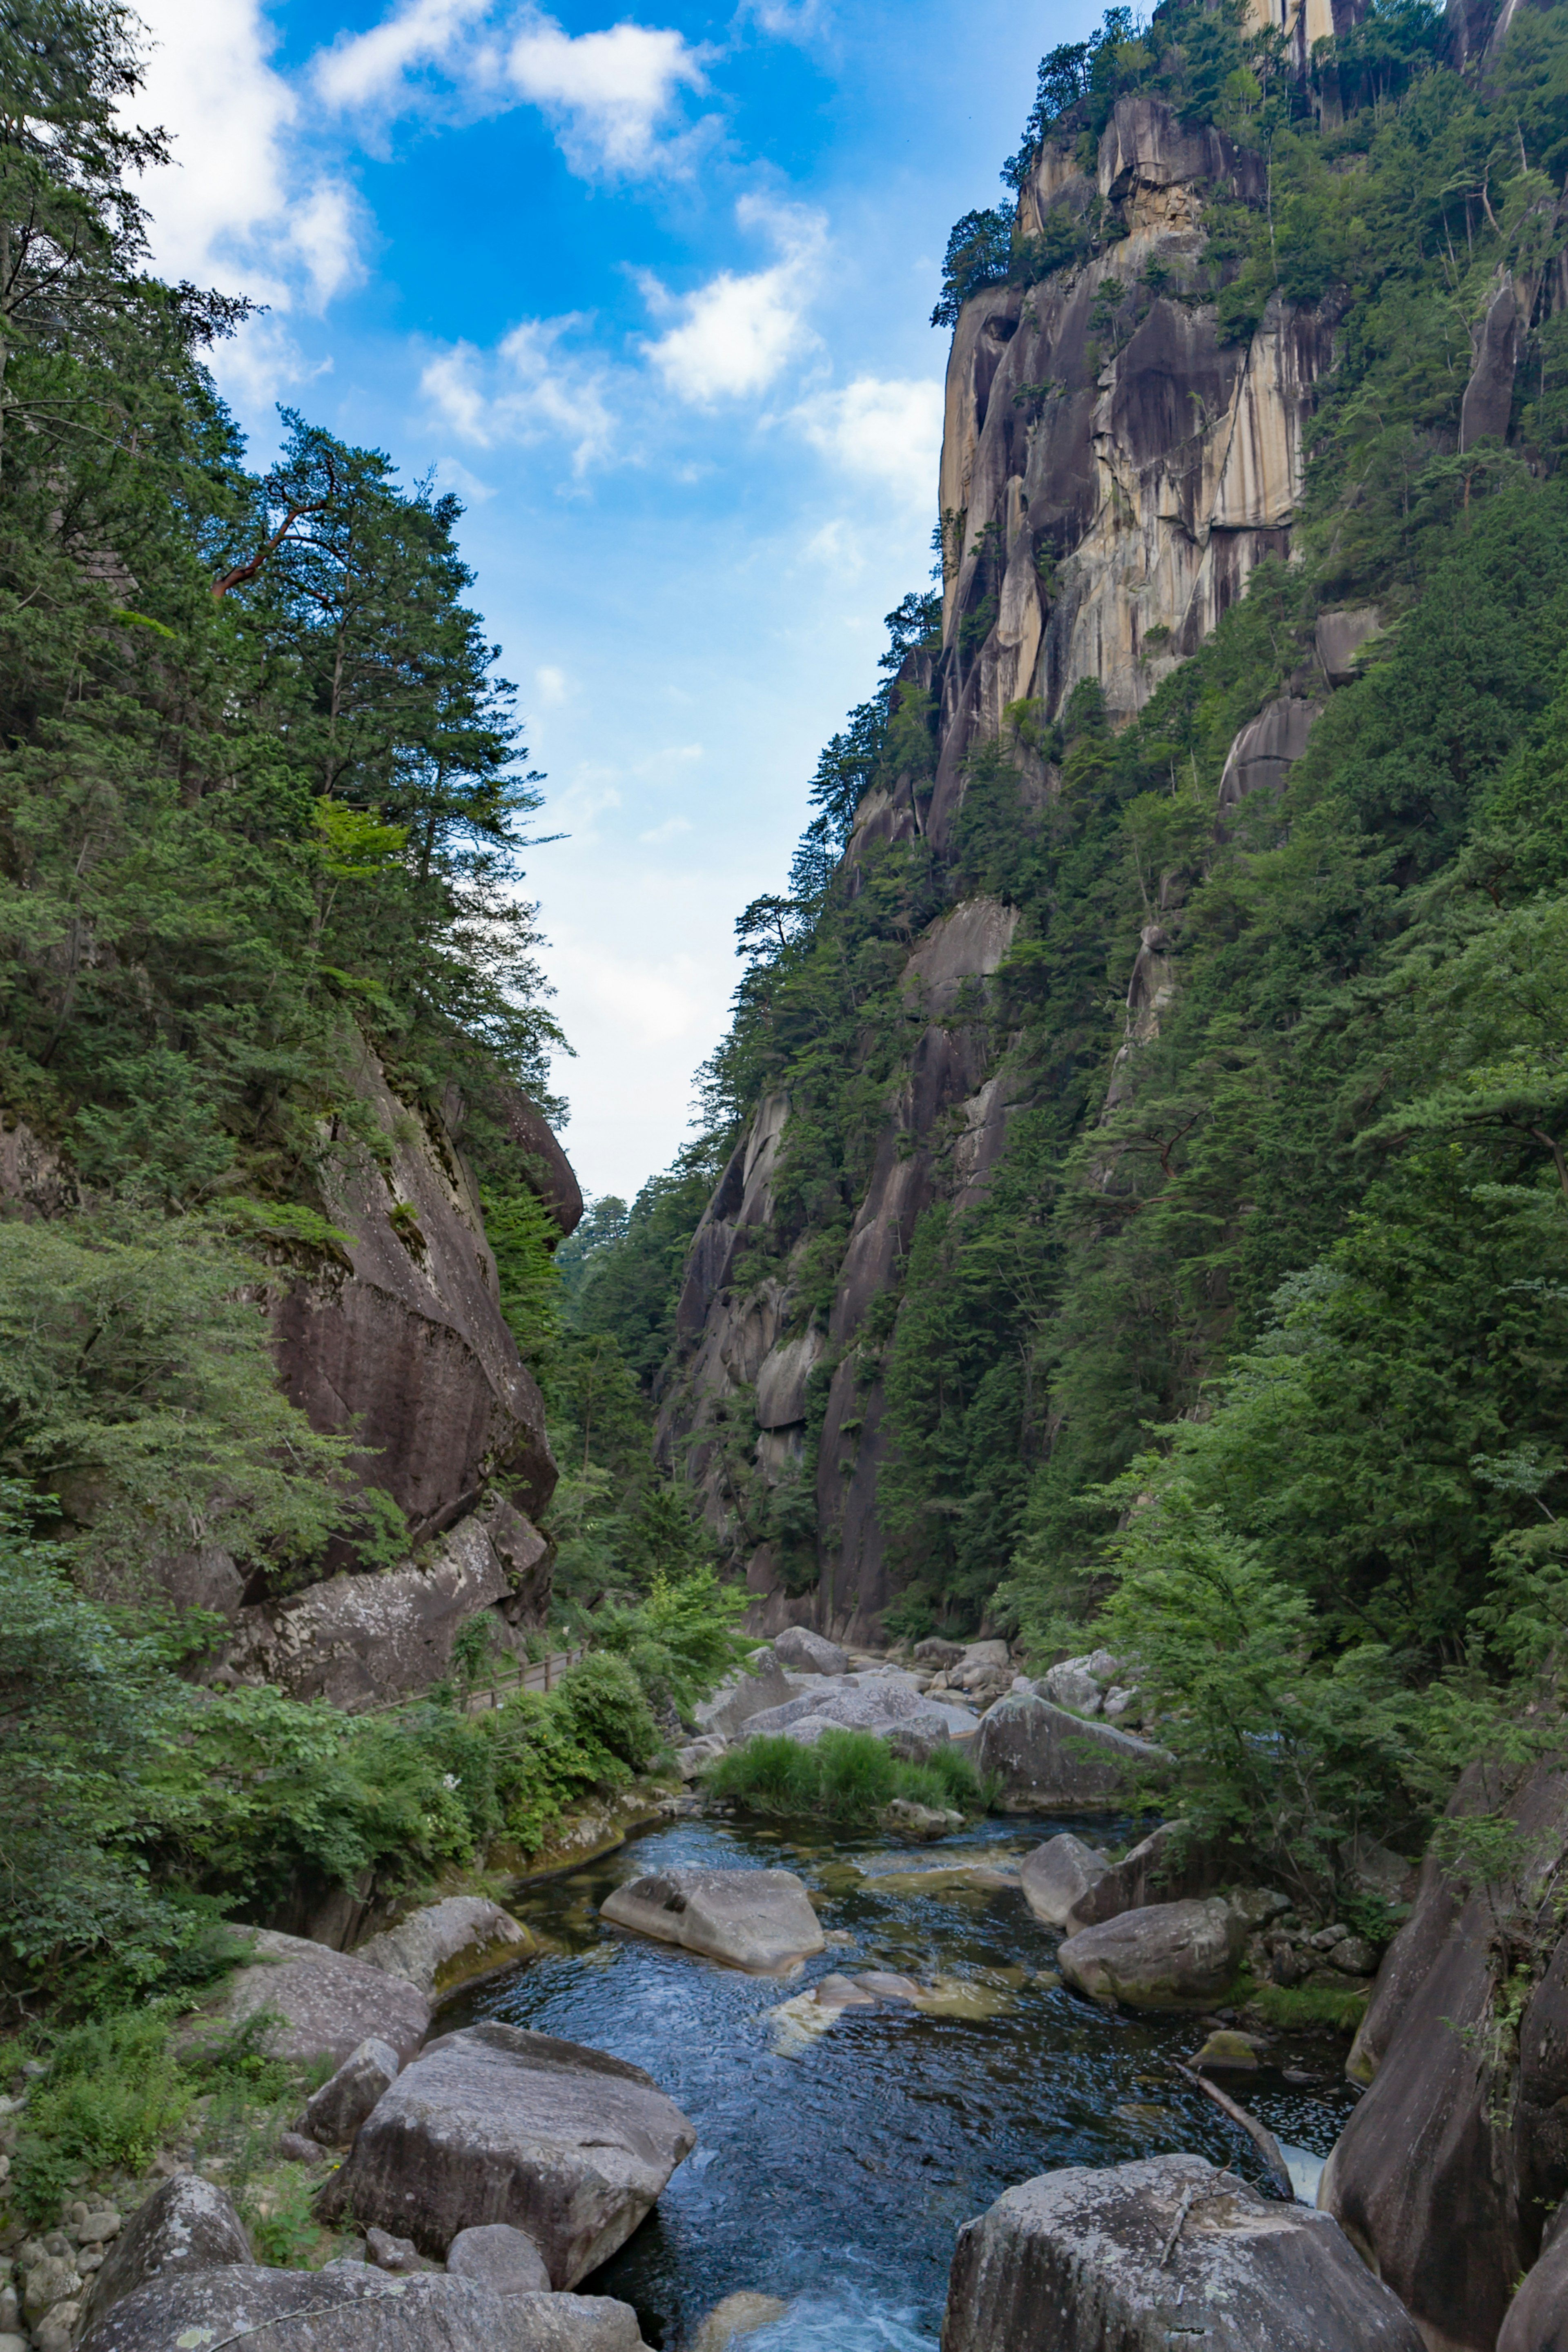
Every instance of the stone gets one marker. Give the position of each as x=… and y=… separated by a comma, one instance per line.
x=797, y=1646
x=399, y=2255
x=1047, y=1759
x=744, y=1693
x=500, y=2258
x=1164, y=1956
x=1166, y=1866
x=335, y=2112
x=1355, y=1955
x=906, y=1819
x=842, y=1992
x=694, y=1759
x=446, y=1944
x=1374, y=1869
x=935, y=1652
x=56, y=2332
x=1227, y=2053
x=1142, y=2256
x=1070, y=1685
x=54, y=2280
x=884, y=1984
x=98, y=2226
x=294, y=2148
x=1537, y=2318
x=1125, y=1706
x=1258, y=1905
x=1340, y=636
x=759, y=1920
x=328, y=2002
x=1453, y=2233
x=918, y=1739
x=1057, y=1875
x=189, y=2224
x=351, y=2307
x=738, y=2315
x=493, y=2123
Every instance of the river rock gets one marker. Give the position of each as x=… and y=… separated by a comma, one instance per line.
x=500, y=2258
x=797, y=1646
x=1047, y=1759
x=351, y=2308
x=842, y=1992
x=1145, y=2256
x=1166, y=1956
x=187, y=2225
x=744, y=1693
x=335, y=2112
x=906, y=1819
x=694, y=1759
x=759, y=1920
x=1537, y=2318
x=1070, y=1685
x=1057, y=1875
x=920, y=1737
x=328, y=2002
x=936, y=1651
x=493, y=2123
x=446, y=1944
x=1170, y=1865
x=738, y=2315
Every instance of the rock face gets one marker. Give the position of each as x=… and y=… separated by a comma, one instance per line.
x=759, y=1920
x=1447, y=2166
x=446, y=1944
x=350, y=2307
x=492, y=2124
x=1147, y=2255
x=1056, y=1875
x=187, y=2225
x=1166, y=1956
x=1537, y=2316
x=335, y=2112
x=360, y=1639
x=328, y=2001
x=1048, y=1758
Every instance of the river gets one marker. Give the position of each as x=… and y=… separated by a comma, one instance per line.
x=834, y=2168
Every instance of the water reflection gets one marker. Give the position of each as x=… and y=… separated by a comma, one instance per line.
x=835, y=2162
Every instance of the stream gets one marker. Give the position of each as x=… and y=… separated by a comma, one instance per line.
x=835, y=2163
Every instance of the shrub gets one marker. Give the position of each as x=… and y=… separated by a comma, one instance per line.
x=847, y=1776
x=112, y=2093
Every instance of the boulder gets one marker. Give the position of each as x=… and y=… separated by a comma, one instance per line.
x=696, y=1756
x=1166, y=1956
x=1452, y=2232
x=841, y=1992
x=935, y=1652
x=1167, y=1866
x=992, y=1655
x=1537, y=2318
x=906, y=1819
x=353, y=2307
x=1070, y=1685
x=1227, y=2053
x=742, y=1695
x=400, y=2255
x=187, y=2225
x=1045, y=1759
x=797, y=1646
x=446, y=1944
x=335, y=2112
x=1144, y=2256
x=499, y=2257
x=1057, y=1875
x=328, y=2002
x=493, y=2123
x=1340, y=636
x=918, y=1739
x=759, y=1920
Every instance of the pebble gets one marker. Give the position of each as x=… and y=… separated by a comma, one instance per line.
x=100, y=2227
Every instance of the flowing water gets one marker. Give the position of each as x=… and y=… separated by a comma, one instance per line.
x=836, y=2161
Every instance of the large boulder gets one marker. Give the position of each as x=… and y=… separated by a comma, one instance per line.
x=1537, y=2316
x=187, y=2225
x=446, y=1944
x=335, y=2112
x=879, y=1704
x=325, y=2003
x=1056, y=1875
x=493, y=2123
x=759, y=1920
x=351, y=2308
x=1168, y=1866
x=744, y=1693
x=1166, y=2252
x=1459, y=2147
x=798, y=1646
x=1166, y=1956
x=1047, y=1758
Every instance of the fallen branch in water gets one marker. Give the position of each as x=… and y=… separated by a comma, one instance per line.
x=1259, y=2133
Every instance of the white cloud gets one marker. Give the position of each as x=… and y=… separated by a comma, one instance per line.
x=609, y=93
x=552, y=683
x=527, y=388
x=736, y=333
x=836, y=548
x=670, y=830
x=882, y=431
x=452, y=476
x=255, y=367
x=363, y=70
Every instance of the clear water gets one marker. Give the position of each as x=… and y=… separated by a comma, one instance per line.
x=834, y=2168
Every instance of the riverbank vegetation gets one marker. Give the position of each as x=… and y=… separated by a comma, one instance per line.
x=850, y=1777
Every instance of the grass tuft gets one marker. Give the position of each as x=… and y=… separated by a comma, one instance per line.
x=1304, y=2006
x=847, y=1776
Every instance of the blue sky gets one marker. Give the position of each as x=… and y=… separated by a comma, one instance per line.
x=650, y=293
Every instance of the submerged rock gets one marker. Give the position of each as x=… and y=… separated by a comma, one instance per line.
x=738, y=2315
x=1144, y=2256
x=492, y=2124
x=445, y=1944
x=1166, y=1956
x=760, y=1920
x=351, y=2308
x=1057, y=1875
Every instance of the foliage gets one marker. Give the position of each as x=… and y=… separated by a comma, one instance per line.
x=112, y=2093
x=845, y=1776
